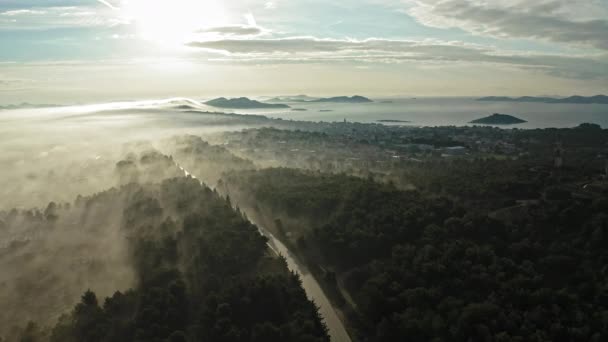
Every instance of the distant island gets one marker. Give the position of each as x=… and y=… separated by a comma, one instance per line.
x=185, y=107
x=598, y=99
x=325, y=110
x=498, y=119
x=344, y=99
x=242, y=103
x=393, y=121
x=309, y=99
x=299, y=109
x=297, y=98
x=26, y=105
x=589, y=126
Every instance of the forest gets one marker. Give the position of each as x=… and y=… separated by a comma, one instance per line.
x=194, y=267
x=499, y=244
x=416, y=265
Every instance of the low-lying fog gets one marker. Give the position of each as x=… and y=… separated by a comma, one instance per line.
x=54, y=154
x=51, y=254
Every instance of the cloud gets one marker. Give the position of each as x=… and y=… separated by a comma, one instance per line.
x=250, y=19
x=235, y=30
x=15, y=84
x=20, y=4
x=575, y=22
x=43, y=18
x=14, y=13
x=106, y=3
x=311, y=49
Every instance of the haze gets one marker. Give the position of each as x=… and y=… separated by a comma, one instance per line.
x=303, y=171
x=75, y=51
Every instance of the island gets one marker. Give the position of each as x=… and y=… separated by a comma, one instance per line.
x=325, y=110
x=498, y=119
x=299, y=109
x=26, y=105
x=589, y=126
x=393, y=121
x=598, y=99
x=344, y=99
x=185, y=107
x=297, y=98
x=242, y=103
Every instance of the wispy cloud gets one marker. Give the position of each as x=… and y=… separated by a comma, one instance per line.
x=235, y=30
x=108, y=4
x=57, y=17
x=311, y=49
x=574, y=22
x=20, y=12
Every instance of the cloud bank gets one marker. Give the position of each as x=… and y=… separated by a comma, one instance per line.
x=42, y=18
x=311, y=49
x=576, y=22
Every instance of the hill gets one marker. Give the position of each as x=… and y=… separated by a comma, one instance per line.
x=297, y=98
x=598, y=99
x=26, y=105
x=345, y=99
x=498, y=119
x=242, y=103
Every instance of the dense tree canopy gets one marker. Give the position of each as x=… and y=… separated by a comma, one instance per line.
x=203, y=272
x=421, y=267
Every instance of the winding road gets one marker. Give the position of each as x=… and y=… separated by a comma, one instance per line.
x=337, y=331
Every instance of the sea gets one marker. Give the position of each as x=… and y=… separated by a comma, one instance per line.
x=423, y=111
x=452, y=111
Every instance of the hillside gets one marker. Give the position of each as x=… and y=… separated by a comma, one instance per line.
x=598, y=99
x=498, y=119
x=242, y=103
x=345, y=99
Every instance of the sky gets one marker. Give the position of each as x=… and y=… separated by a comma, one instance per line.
x=76, y=51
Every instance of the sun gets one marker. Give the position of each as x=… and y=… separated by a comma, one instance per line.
x=172, y=22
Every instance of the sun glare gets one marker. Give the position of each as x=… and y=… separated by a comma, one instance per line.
x=173, y=22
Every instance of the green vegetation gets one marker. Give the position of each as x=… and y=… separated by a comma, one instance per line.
x=418, y=234
x=498, y=119
x=242, y=103
x=421, y=267
x=203, y=271
x=206, y=161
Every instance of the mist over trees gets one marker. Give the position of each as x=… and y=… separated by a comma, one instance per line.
x=153, y=242
x=203, y=273
x=158, y=257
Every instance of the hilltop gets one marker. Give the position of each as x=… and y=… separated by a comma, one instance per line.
x=26, y=105
x=344, y=99
x=297, y=98
x=498, y=119
x=242, y=103
x=598, y=99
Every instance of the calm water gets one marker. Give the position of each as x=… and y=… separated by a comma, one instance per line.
x=420, y=112
x=445, y=111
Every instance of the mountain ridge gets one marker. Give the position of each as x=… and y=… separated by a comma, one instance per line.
x=242, y=103
x=576, y=99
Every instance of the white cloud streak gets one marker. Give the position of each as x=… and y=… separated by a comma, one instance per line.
x=108, y=4
x=573, y=22
x=235, y=30
x=311, y=49
x=57, y=17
